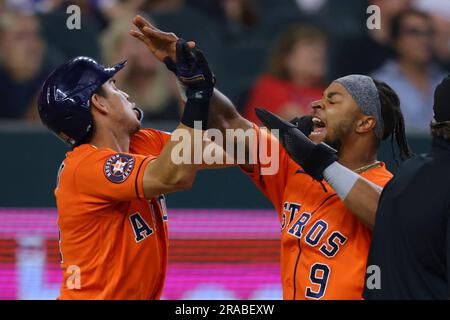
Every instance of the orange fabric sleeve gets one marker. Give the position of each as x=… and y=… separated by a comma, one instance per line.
x=271, y=185
x=112, y=176
x=148, y=141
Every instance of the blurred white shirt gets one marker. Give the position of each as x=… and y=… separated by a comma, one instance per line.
x=416, y=105
x=438, y=7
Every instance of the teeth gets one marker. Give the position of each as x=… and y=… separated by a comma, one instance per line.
x=318, y=122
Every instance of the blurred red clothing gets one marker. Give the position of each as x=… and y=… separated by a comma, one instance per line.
x=275, y=94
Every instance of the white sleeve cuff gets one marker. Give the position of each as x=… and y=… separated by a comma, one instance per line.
x=340, y=178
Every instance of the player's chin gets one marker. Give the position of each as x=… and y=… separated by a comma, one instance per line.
x=137, y=126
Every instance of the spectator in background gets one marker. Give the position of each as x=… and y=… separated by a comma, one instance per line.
x=158, y=6
x=114, y=9
x=440, y=14
x=440, y=7
x=296, y=69
x=144, y=78
x=235, y=16
x=412, y=74
x=240, y=14
x=365, y=54
x=442, y=40
x=23, y=66
x=30, y=6
x=311, y=6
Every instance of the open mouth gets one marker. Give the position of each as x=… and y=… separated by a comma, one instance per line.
x=319, y=126
x=138, y=112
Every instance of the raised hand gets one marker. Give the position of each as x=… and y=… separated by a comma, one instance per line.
x=161, y=44
x=193, y=71
x=304, y=124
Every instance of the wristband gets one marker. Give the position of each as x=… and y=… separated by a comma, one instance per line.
x=340, y=179
x=196, y=110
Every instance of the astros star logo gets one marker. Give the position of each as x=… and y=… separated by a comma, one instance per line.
x=118, y=166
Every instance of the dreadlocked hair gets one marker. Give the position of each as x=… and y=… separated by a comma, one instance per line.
x=440, y=129
x=394, y=123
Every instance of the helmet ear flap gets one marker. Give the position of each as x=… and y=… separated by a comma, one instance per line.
x=76, y=124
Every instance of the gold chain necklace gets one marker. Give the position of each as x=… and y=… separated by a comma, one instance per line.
x=369, y=166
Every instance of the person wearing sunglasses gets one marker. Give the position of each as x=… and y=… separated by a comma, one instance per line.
x=413, y=73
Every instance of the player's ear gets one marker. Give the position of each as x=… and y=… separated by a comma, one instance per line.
x=99, y=103
x=366, y=124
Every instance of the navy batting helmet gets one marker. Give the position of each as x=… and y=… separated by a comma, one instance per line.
x=64, y=102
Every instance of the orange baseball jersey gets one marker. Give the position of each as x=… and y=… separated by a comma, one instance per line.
x=113, y=242
x=324, y=247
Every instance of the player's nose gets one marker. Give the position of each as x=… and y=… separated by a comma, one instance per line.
x=318, y=105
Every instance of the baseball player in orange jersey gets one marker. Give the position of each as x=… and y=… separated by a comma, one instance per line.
x=111, y=212
x=324, y=244
x=108, y=230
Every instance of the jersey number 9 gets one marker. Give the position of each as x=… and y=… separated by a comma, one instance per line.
x=319, y=276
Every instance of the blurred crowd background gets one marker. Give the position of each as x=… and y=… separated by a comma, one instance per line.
x=279, y=54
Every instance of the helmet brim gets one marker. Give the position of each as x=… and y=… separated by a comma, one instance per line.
x=111, y=71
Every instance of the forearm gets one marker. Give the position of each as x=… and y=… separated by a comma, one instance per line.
x=175, y=168
x=363, y=200
x=223, y=114
x=233, y=126
x=359, y=195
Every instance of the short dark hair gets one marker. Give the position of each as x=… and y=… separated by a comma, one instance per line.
x=101, y=91
x=397, y=21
